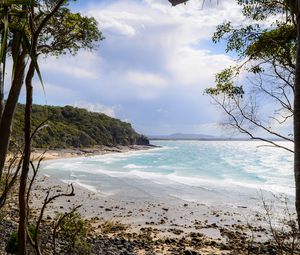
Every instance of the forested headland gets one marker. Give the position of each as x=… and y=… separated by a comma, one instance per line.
x=71, y=127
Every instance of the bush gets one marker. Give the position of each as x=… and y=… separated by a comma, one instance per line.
x=110, y=227
x=72, y=234
x=13, y=241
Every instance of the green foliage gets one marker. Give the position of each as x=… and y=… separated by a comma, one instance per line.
x=278, y=43
x=13, y=242
x=257, y=39
x=68, y=32
x=258, y=10
x=16, y=10
x=260, y=46
x=225, y=85
x=73, y=127
x=72, y=233
x=238, y=39
x=12, y=245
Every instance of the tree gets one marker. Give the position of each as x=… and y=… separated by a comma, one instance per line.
x=48, y=28
x=13, y=29
x=294, y=6
x=267, y=70
x=279, y=46
x=56, y=31
x=59, y=32
x=269, y=67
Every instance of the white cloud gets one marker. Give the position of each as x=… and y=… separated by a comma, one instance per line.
x=171, y=35
x=117, y=21
x=190, y=66
x=82, y=66
x=145, y=79
x=109, y=111
x=155, y=60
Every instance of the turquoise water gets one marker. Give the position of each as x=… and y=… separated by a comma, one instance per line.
x=183, y=168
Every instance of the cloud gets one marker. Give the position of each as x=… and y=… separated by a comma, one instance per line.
x=117, y=21
x=109, y=111
x=145, y=79
x=82, y=66
x=154, y=57
x=190, y=66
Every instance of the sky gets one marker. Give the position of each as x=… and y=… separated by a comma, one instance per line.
x=152, y=68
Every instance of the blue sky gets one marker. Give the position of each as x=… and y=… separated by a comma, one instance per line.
x=152, y=68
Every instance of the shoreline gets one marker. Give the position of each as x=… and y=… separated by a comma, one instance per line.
x=165, y=224
x=53, y=154
x=171, y=223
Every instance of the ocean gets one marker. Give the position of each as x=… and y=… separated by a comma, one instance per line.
x=203, y=171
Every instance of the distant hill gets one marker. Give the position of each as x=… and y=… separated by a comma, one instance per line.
x=70, y=127
x=180, y=136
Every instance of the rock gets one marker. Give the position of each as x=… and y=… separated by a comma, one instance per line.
x=188, y=252
x=142, y=140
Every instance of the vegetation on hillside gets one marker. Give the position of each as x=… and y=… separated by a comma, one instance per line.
x=74, y=127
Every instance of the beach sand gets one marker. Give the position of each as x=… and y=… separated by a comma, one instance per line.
x=165, y=224
x=73, y=153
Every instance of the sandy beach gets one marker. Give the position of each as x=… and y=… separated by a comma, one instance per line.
x=174, y=225
x=85, y=152
x=142, y=212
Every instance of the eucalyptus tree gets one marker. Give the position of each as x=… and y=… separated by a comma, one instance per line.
x=265, y=73
x=268, y=72
x=270, y=56
x=294, y=6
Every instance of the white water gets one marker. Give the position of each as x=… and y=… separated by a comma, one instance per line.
x=190, y=170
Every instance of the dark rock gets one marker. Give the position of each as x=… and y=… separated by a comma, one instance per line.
x=188, y=252
x=142, y=140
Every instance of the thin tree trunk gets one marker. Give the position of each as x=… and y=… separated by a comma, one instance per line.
x=11, y=103
x=1, y=92
x=297, y=122
x=23, y=217
x=9, y=109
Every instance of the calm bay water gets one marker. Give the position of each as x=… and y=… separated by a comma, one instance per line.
x=184, y=169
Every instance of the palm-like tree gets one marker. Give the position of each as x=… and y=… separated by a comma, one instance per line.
x=14, y=23
x=10, y=12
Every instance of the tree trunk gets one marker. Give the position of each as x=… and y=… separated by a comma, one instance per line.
x=9, y=109
x=23, y=213
x=1, y=92
x=297, y=123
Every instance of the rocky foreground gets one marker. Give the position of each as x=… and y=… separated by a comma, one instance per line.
x=149, y=227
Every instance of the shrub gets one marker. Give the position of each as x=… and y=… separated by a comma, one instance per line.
x=13, y=241
x=72, y=234
x=110, y=227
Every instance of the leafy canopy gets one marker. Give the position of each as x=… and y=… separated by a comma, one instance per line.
x=267, y=39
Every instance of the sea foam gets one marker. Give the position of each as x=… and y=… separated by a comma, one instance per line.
x=239, y=167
